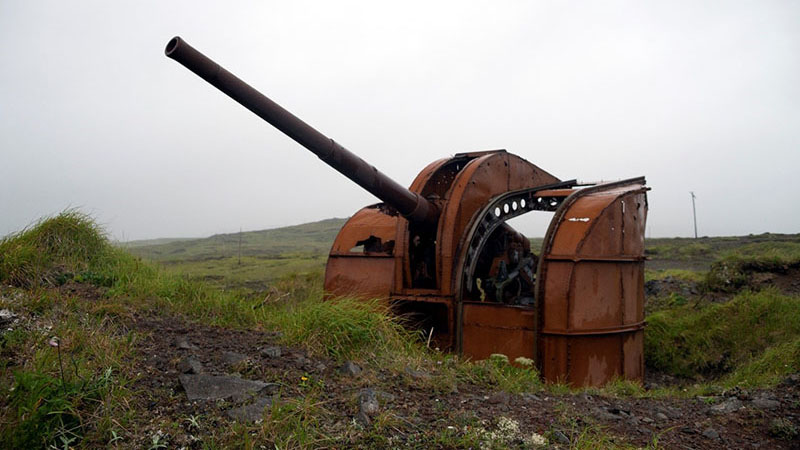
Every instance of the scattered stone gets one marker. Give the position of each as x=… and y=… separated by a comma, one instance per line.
x=271, y=352
x=672, y=413
x=688, y=430
x=605, y=414
x=385, y=396
x=417, y=374
x=350, y=368
x=368, y=402
x=792, y=380
x=620, y=411
x=213, y=387
x=319, y=367
x=184, y=344
x=253, y=412
x=766, y=403
x=233, y=358
x=649, y=420
x=710, y=433
x=363, y=418
x=190, y=365
x=561, y=438
x=530, y=397
x=302, y=361
x=661, y=417
x=728, y=406
x=498, y=398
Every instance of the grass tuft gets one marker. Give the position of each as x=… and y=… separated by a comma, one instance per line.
x=748, y=334
x=53, y=248
x=343, y=328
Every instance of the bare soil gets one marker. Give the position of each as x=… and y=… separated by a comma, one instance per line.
x=672, y=422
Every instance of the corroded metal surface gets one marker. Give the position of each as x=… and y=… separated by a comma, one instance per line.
x=442, y=255
x=591, y=286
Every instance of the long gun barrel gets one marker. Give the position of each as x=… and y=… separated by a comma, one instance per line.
x=411, y=205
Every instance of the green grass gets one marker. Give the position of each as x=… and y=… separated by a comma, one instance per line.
x=62, y=395
x=679, y=274
x=720, y=339
x=51, y=249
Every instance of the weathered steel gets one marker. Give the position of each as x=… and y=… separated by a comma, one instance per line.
x=450, y=263
x=592, y=286
x=348, y=164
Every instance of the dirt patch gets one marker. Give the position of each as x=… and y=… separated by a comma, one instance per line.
x=417, y=408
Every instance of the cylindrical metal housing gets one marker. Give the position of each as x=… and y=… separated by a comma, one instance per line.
x=411, y=205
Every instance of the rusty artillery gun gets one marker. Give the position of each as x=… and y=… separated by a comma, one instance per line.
x=442, y=253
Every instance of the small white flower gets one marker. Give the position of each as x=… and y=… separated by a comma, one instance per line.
x=537, y=440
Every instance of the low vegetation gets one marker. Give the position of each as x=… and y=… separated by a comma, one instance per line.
x=751, y=340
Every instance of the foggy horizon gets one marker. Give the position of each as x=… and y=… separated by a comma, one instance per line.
x=695, y=97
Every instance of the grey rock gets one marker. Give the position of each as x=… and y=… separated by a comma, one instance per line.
x=728, y=406
x=417, y=374
x=605, y=414
x=253, y=412
x=368, y=401
x=190, y=365
x=385, y=396
x=792, y=380
x=672, y=413
x=233, y=358
x=499, y=398
x=661, y=417
x=688, y=430
x=560, y=437
x=213, y=387
x=319, y=367
x=363, y=418
x=710, y=433
x=350, y=368
x=765, y=403
x=184, y=344
x=531, y=397
x=649, y=420
x=619, y=410
x=271, y=352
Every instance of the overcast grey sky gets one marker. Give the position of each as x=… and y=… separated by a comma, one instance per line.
x=696, y=96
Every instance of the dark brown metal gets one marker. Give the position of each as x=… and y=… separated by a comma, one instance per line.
x=411, y=205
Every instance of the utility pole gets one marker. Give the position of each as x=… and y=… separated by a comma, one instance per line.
x=694, y=215
x=240, y=244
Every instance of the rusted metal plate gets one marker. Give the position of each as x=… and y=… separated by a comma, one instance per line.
x=591, y=287
x=496, y=328
x=361, y=261
x=359, y=276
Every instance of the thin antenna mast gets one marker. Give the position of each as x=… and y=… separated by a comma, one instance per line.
x=694, y=215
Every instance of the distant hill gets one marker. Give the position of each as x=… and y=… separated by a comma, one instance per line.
x=305, y=239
